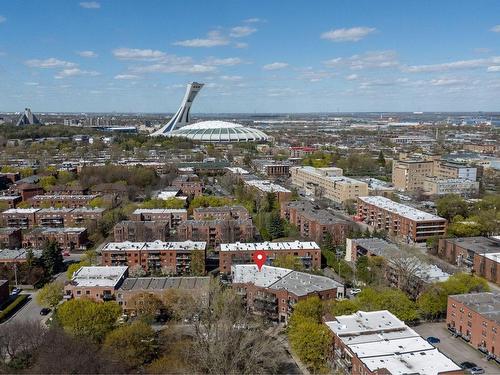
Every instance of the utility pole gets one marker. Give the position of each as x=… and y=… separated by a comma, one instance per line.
x=15, y=273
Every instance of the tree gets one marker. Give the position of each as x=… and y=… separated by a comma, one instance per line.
x=179, y=304
x=137, y=271
x=452, y=205
x=52, y=258
x=86, y=318
x=133, y=344
x=381, y=158
x=18, y=343
x=197, y=263
x=276, y=227
x=288, y=261
x=461, y=227
x=51, y=294
x=208, y=201
x=222, y=344
x=46, y=182
x=146, y=305
x=72, y=268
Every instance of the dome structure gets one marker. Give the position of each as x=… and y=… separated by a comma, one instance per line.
x=219, y=132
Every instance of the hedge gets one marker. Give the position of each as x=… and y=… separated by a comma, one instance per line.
x=9, y=309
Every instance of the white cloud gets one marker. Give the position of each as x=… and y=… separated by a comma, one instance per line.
x=494, y=68
x=496, y=29
x=90, y=5
x=229, y=61
x=138, y=54
x=353, y=34
x=352, y=77
x=241, y=31
x=461, y=64
x=87, y=53
x=275, y=66
x=126, y=76
x=231, y=78
x=74, y=72
x=31, y=83
x=241, y=45
x=51, y=62
x=368, y=60
x=315, y=76
x=253, y=20
x=174, y=68
x=213, y=39
x=2, y=19
x=286, y=91
x=446, y=82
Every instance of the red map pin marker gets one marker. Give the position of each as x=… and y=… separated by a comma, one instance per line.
x=259, y=258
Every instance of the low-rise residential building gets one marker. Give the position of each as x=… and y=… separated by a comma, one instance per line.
x=476, y=318
x=377, y=342
x=328, y=183
x=314, y=223
x=439, y=186
x=139, y=231
x=215, y=232
x=263, y=187
x=196, y=287
x=301, y=151
x=68, y=239
x=273, y=291
x=189, y=184
x=62, y=200
x=309, y=253
x=471, y=252
x=272, y=168
x=96, y=283
x=401, y=269
x=378, y=187
x=10, y=238
x=168, y=258
x=482, y=148
x=8, y=256
x=221, y=213
x=174, y=216
x=23, y=218
x=400, y=220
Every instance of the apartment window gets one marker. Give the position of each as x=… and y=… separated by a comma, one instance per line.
x=469, y=323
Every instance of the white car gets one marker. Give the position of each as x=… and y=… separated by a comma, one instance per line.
x=354, y=291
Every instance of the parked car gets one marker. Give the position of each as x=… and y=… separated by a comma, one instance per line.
x=477, y=371
x=467, y=365
x=433, y=340
x=15, y=291
x=45, y=311
x=354, y=291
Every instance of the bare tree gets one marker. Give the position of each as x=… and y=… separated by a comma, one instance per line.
x=227, y=340
x=19, y=341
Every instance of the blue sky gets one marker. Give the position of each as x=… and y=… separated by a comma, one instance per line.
x=253, y=56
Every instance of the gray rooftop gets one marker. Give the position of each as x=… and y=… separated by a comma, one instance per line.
x=479, y=245
x=487, y=304
x=161, y=283
x=310, y=210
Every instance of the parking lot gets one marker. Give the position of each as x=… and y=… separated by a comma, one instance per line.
x=455, y=348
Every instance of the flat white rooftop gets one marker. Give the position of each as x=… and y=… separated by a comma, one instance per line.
x=155, y=245
x=298, y=283
x=267, y=186
x=139, y=211
x=270, y=246
x=21, y=211
x=400, y=209
x=237, y=170
x=98, y=276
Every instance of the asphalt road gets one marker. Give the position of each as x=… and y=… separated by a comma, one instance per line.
x=455, y=348
x=29, y=312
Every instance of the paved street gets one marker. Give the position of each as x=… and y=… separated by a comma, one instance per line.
x=455, y=348
x=30, y=310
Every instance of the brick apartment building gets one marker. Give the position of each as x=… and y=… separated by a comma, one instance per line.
x=215, y=232
x=172, y=216
x=26, y=191
x=272, y=168
x=62, y=200
x=10, y=238
x=141, y=231
x=479, y=254
x=95, y=283
x=314, y=223
x=221, y=213
x=155, y=257
x=272, y=292
x=19, y=217
x=263, y=187
x=196, y=287
x=68, y=239
x=230, y=254
x=476, y=318
x=68, y=217
x=190, y=185
x=8, y=256
x=377, y=342
x=301, y=151
x=399, y=220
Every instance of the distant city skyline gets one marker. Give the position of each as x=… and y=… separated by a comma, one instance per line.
x=253, y=56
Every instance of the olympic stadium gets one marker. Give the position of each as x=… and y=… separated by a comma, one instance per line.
x=206, y=131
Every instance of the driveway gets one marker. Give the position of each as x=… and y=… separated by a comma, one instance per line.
x=455, y=348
